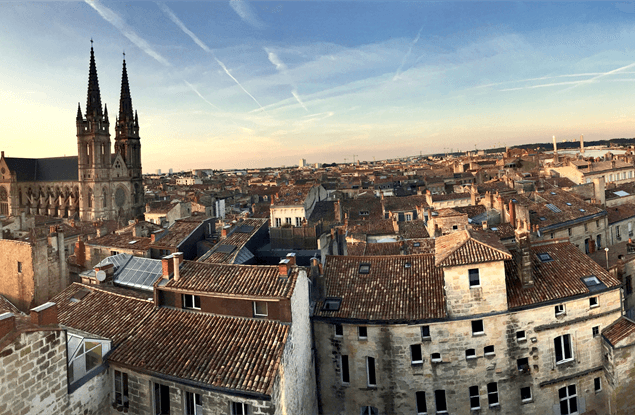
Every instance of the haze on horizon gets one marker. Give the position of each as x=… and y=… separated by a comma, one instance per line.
x=232, y=84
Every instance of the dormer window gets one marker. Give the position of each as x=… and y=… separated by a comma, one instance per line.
x=85, y=355
x=332, y=304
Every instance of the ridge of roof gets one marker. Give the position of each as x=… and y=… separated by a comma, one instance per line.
x=467, y=247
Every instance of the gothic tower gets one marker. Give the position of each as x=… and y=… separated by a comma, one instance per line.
x=93, y=146
x=128, y=143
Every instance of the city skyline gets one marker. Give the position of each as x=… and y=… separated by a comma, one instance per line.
x=238, y=84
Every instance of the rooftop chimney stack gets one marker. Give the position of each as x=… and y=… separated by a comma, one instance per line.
x=44, y=315
x=291, y=258
x=555, y=146
x=168, y=266
x=178, y=259
x=523, y=255
x=7, y=324
x=284, y=267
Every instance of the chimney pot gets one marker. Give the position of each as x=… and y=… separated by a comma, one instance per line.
x=168, y=266
x=44, y=315
x=291, y=258
x=178, y=259
x=284, y=266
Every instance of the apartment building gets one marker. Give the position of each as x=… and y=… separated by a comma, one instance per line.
x=475, y=327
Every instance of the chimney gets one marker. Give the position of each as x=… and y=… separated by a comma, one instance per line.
x=291, y=258
x=178, y=259
x=555, y=146
x=225, y=231
x=582, y=143
x=168, y=266
x=284, y=267
x=512, y=213
x=7, y=324
x=44, y=315
x=137, y=231
x=523, y=255
x=80, y=252
x=484, y=223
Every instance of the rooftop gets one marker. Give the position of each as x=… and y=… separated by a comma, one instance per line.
x=469, y=247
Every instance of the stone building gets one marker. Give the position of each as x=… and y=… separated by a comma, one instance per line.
x=95, y=184
x=475, y=327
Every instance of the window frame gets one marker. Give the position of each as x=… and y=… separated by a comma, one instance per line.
x=255, y=307
x=120, y=387
x=159, y=398
x=436, y=359
x=492, y=394
x=420, y=397
x=346, y=380
x=596, y=331
x=478, y=333
x=521, y=336
x=560, y=310
x=244, y=408
x=189, y=400
x=19, y=267
x=416, y=348
x=440, y=393
x=568, y=398
x=474, y=277
x=563, y=348
x=423, y=330
x=192, y=304
x=492, y=353
x=474, y=395
x=339, y=326
x=371, y=372
x=470, y=354
x=531, y=396
x=361, y=336
x=597, y=384
x=594, y=302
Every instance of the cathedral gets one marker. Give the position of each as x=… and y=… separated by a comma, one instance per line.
x=95, y=184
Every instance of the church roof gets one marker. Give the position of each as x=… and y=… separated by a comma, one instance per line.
x=44, y=170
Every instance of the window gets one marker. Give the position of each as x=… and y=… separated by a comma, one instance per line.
x=332, y=304
x=477, y=327
x=586, y=228
x=339, y=330
x=362, y=332
x=470, y=354
x=370, y=372
x=489, y=350
x=260, y=309
x=422, y=407
x=19, y=266
x=492, y=394
x=597, y=384
x=425, y=332
x=287, y=221
x=475, y=281
x=298, y=222
x=408, y=217
x=523, y=365
x=521, y=336
x=455, y=227
x=86, y=355
x=369, y=410
x=629, y=285
x=161, y=399
x=346, y=377
x=568, y=400
x=475, y=402
x=435, y=357
x=278, y=222
x=594, y=302
x=439, y=399
x=617, y=232
x=596, y=331
x=121, y=389
x=545, y=257
x=239, y=408
x=560, y=310
x=191, y=301
x=562, y=346
x=569, y=231
x=193, y=404
x=525, y=394
x=415, y=354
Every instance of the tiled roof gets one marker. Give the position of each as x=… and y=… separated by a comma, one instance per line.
x=619, y=330
x=179, y=230
x=471, y=211
x=619, y=213
x=225, y=352
x=367, y=203
x=555, y=279
x=122, y=241
x=391, y=291
x=413, y=229
x=237, y=238
x=238, y=280
x=100, y=312
x=468, y=247
x=420, y=246
x=291, y=195
x=372, y=227
x=394, y=203
x=7, y=307
x=451, y=196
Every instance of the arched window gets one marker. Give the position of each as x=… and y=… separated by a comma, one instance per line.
x=90, y=198
x=4, y=201
x=104, y=197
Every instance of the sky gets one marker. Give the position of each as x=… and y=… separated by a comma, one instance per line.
x=239, y=84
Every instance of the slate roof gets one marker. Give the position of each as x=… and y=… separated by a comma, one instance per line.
x=100, y=312
x=619, y=330
x=391, y=291
x=224, y=352
x=237, y=280
x=555, y=279
x=179, y=231
x=468, y=247
x=44, y=170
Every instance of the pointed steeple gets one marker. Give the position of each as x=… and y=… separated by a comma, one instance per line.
x=106, y=113
x=136, y=119
x=93, y=103
x=125, y=102
x=79, y=112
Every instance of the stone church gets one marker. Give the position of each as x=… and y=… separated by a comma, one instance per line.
x=95, y=184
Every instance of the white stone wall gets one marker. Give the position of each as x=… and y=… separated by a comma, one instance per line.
x=490, y=296
x=398, y=379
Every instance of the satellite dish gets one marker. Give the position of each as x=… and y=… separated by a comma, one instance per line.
x=101, y=276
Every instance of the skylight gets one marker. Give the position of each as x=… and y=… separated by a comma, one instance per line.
x=364, y=268
x=553, y=208
x=582, y=210
x=332, y=304
x=568, y=203
x=543, y=218
x=545, y=257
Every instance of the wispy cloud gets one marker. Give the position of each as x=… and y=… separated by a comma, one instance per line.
x=246, y=13
x=203, y=46
x=115, y=20
x=282, y=68
x=199, y=94
x=407, y=55
x=602, y=75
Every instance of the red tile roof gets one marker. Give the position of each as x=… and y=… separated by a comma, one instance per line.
x=389, y=292
x=7, y=307
x=555, y=279
x=619, y=330
x=239, y=280
x=469, y=247
x=224, y=352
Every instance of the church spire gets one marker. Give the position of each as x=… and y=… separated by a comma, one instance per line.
x=93, y=102
x=79, y=112
x=125, y=102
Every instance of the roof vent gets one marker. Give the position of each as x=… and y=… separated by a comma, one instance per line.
x=364, y=268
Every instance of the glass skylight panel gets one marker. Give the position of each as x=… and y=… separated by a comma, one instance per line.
x=553, y=208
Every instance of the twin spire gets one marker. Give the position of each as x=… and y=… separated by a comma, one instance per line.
x=93, y=101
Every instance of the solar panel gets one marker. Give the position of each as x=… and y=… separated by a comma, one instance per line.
x=553, y=208
x=137, y=272
x=226, y=249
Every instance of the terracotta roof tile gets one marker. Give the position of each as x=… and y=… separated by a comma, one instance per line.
x=240, y=280
x=7, y=307
x=559, y=278
x=122, y=241
x=391, y=291
x=395, y=204
x=224, y=352
x=619, y=330
x=469, y=247
x=413, y=229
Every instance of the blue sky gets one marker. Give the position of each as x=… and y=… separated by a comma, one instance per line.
x=228, y=84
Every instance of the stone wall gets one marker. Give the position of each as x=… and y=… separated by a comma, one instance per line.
x=17, y=287
x=489, y=296
x=398, y=379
